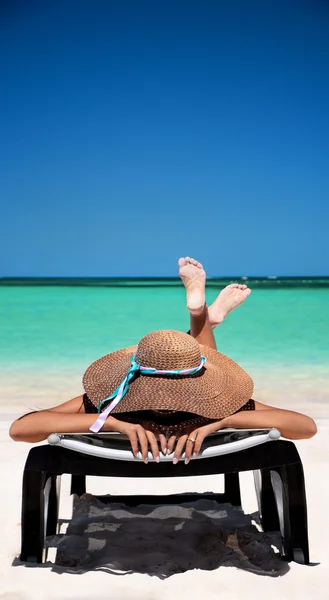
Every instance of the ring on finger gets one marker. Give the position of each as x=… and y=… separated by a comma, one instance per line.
x=191, y=440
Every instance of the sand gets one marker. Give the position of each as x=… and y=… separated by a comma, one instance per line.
x=201, y=550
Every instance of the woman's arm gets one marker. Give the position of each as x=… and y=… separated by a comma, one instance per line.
x=69, y=417
x=292, y=425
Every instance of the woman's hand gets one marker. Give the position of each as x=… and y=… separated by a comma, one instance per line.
x=140, y=439
x=192, y=442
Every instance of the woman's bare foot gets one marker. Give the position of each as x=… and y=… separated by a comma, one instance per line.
x=229, y=298
x=194, y=278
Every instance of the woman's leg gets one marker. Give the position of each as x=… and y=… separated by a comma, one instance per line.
x=194, y=279
x=201, y=329
x=203, y=319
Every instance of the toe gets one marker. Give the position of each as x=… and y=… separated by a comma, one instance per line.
x=182, y=262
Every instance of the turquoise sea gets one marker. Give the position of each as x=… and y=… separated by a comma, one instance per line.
x=284, y=321
x=51, y=330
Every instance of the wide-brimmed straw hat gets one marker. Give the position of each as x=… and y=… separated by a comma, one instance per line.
x=200, y=379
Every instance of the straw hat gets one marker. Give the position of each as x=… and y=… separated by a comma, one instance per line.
x=219, y=388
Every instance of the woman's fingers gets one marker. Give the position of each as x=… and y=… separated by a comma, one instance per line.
x=143, y=439
x=153, y=445
x=143, y=442
x=198, y=442
x=133, y=438
x=190, y=445
x=163, y=443
x=179, y=448
x=171, y=444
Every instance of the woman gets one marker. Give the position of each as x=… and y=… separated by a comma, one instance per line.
x=166, y=390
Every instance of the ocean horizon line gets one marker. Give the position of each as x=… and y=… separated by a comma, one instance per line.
x=267, y=281
x=260, y=276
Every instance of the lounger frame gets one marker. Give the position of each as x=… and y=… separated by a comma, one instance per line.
x=278, y=474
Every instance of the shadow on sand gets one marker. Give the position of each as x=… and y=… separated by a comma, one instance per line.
x=162, y=540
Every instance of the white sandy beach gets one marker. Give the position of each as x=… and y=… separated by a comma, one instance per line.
x=235, y=578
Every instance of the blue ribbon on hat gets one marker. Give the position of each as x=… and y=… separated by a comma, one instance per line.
x=122, y=389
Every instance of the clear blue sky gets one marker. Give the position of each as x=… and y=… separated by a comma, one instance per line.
x=133, y=132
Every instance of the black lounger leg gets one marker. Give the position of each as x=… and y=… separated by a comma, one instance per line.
x=53, y=505
x=33, y=526
x=293, y=480
x=267, y=505
x=232, y=489
x=78, y=484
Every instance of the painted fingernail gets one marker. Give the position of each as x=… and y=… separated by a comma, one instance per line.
x=194, y=454
x=186, y=461
x=146, y=460
x=157, y=459
x=175, y=461
x=164, y=451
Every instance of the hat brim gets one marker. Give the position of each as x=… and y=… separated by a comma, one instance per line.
x=217, y=391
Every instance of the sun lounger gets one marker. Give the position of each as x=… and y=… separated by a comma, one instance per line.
x=278, y=474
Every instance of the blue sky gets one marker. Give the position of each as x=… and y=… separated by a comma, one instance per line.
x=136, y=132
